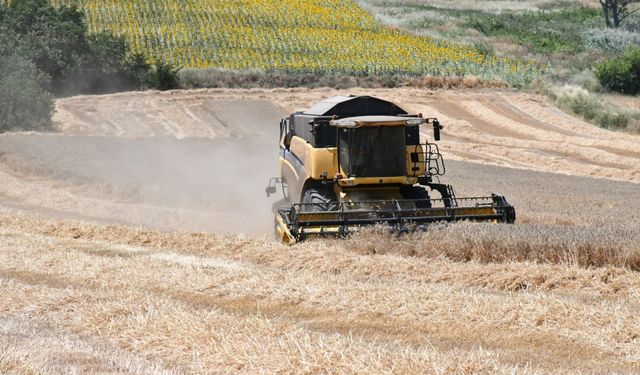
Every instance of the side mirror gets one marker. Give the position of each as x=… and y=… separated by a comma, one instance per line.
x=270, y=190
x=436, y=130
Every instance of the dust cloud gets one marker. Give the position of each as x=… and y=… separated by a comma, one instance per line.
x=161, y=182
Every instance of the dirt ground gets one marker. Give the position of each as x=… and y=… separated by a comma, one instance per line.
x=136, y=239
x=511, y=129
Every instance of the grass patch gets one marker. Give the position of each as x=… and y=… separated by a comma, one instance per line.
x=593, y=109
x=254, y=78
x=543, y=32
x=610, y=41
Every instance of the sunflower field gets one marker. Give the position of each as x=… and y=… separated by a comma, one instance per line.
x=318, y=36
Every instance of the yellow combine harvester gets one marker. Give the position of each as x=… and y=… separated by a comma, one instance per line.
x=349, y=162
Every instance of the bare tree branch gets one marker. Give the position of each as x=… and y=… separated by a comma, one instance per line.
x=615, y=11
x=626, y=12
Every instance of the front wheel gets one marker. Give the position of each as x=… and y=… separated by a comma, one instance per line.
x=418, y=195
x=319, y=200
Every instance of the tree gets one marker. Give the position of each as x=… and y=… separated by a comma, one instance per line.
x=54, y=39
x=46, y=50
x=615, y=11
x=103, y=66
x=25, y=102
x=57, y=41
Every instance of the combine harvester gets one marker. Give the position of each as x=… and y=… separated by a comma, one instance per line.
x=351, y=162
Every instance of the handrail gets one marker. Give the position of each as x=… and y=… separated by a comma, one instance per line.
x=431, y=159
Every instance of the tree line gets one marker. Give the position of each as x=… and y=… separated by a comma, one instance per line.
x=47, y=51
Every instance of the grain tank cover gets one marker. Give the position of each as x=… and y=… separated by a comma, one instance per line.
x=352, y=106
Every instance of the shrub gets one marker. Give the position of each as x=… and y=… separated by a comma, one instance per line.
x=137, y=69
x=587, y=105
x=214, y=78
x=585, y=79
x=610, y=40
x=621, y=74
x=25, y=102
x=108, y=66
x=485, y=49
x=164, y=76
x=612, y=120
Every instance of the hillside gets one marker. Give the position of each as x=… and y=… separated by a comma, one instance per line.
x=309, y=36
x=569, y=38
x=136, y=239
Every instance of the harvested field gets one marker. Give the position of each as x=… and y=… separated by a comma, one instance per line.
x=511, y=129
x=134, y=240
x=202, y=302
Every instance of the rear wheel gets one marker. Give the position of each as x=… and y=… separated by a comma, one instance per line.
x=418, y=194
x=319, y=200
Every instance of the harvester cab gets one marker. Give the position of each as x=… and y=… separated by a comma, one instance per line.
x=356, y=161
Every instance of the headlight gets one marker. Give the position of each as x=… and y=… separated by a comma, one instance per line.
x=415, y=121
x=343, y=123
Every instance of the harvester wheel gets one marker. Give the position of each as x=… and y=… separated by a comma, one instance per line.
x=418, y=194
x=319, y=200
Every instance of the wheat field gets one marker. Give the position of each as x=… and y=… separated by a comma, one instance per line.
x=119, y=252
x=119, y=299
